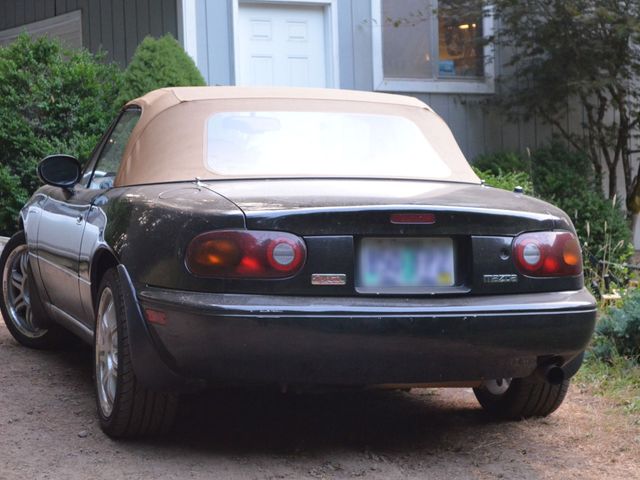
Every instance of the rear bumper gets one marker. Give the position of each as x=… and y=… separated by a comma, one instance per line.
x=364, y=341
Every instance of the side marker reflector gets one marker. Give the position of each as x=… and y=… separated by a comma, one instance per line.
x=155, y=316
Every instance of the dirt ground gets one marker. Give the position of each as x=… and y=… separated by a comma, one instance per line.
x=48, y=430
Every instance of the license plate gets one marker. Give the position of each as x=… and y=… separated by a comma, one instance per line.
x=396, y=263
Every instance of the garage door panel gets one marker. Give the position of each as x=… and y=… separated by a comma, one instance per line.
x=298, y=31
x=261, y=30
x=282, y=45
x=298, y=71
x=261, y=70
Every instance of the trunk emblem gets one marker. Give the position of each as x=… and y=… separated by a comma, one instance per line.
x=506, y=278
x=413, y=218
x=328, y=279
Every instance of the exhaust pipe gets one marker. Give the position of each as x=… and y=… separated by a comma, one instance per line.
x=551, y=373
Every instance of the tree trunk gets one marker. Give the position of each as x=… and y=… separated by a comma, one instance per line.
x=613, y=180
x=635, y=230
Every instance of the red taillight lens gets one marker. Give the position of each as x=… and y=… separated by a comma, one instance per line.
x=245, y=254
x=548, y=254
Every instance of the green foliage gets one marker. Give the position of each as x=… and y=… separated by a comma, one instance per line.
x=559, y=172
x=158, y=63
x=618, y=330
x=617, y=378
x=11, y=201
x=507, y=180
x=51, y=100
x=502, y=162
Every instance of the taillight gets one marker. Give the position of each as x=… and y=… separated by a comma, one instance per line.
x=548, y=254
x=245, y=254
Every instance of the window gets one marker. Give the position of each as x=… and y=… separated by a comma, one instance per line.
x=432, y=46
x=110, y=156
x=320, y=144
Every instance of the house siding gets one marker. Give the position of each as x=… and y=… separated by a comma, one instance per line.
x=113, y=26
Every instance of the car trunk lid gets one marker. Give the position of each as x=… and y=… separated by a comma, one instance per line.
x=364, y=207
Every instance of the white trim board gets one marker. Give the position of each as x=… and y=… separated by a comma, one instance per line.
x=380, y=83
x=187, y=27
x=331, y=34
x=67, y=28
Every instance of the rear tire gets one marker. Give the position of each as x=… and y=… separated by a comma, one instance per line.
x=521, y=397
x=126, y=409
x=20, y=303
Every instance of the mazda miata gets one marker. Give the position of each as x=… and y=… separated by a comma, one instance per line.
x=298, y=238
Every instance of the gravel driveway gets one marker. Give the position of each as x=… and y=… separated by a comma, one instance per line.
x=48, y=431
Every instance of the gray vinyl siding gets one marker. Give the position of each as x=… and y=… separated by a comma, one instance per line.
x=113, y=26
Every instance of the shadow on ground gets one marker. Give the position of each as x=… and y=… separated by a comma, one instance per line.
x=267, y=421
x=264, y=420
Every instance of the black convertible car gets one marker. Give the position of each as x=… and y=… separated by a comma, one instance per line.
x=299, y=238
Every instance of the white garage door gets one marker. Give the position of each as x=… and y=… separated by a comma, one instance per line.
x=281, y=45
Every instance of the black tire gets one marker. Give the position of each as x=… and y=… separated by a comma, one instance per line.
x=38, y=331
x=524, y=398
x=135, y=411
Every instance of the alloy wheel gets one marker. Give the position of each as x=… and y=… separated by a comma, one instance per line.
x=106, y=352
x=17, y=295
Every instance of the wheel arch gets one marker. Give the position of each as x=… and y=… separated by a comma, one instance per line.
x=103, y=260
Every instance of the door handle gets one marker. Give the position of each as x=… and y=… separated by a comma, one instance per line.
x=79, y=219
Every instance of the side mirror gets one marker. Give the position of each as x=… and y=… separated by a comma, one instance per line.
x=60, y=170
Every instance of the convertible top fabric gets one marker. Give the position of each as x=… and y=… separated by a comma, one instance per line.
x=168, y=144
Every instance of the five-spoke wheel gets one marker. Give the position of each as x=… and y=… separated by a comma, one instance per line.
x=20, y=303
x=106, y=356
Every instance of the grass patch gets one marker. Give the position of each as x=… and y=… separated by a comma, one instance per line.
x=618, y=380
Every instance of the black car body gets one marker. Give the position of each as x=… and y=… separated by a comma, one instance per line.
x=322, y=324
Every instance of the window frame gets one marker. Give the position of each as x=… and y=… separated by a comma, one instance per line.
x=485, y=85
x=97, y=152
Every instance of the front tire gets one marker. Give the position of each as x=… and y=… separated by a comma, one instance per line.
x=20, y=302
x=125, y=408
x=518, y=398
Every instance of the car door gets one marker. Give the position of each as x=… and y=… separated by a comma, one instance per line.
x=105, y=169
x=64, y=218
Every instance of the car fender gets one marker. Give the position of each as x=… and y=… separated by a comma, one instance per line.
x=149, y=365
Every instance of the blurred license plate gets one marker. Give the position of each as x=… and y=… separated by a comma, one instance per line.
x=406, y=262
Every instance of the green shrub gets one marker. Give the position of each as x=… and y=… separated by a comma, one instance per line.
x=507, y=180
x=51, y=100
x=12, y=198
x=558, y=172
x=618, y=330
x=158, y=63
x=501, y=163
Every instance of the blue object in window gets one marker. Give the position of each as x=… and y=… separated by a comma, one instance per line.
x=446, y=68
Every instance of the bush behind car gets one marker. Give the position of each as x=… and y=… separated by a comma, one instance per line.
x=52, y=99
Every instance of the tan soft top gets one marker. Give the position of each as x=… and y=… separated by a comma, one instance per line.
x=168, y=142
